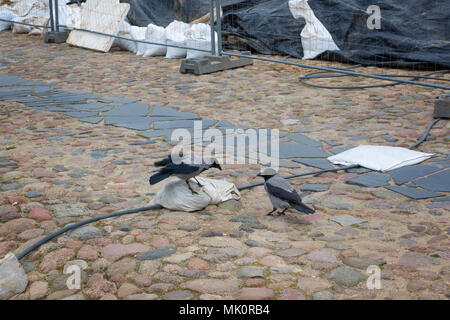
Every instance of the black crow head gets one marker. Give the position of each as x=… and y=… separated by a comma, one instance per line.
x=216, y=164
x=267, y=173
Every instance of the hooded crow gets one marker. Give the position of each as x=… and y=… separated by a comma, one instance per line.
x=183, y=171
x=282, y=194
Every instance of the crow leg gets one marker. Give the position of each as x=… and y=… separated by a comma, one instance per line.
x=189, y=186
x=198, y=183
x=282, y=213
x=270, y=213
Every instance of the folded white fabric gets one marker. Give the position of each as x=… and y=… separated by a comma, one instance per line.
x=380, y=158
x=175, y=195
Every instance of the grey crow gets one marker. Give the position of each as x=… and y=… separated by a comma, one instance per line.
x=183, y=171
x=282, y=194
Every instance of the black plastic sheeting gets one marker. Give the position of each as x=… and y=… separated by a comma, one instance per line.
x=163, y=12
x=413, y=34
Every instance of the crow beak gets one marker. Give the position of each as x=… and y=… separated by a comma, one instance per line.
x=259, y=175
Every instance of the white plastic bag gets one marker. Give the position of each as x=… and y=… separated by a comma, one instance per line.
x=69, y=15
x=380, y=158
x=175, y=33
x=138, y=33
x=30, y=11
x=125, y=31
x=315, y=37
x=154, y=34
x=199, y=36
x=5, y=13
x=175, y=194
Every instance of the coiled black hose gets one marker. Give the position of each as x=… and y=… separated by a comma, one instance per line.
x=328, y=74
x=154, y=207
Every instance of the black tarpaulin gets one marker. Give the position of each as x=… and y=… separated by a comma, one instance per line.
x=414, y=33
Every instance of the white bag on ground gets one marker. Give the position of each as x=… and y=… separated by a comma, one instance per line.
x=33, y=12
x=5, y=13
x=380, y=158
x=315, y=37
x=154, y=34
x=199, y=36
x=175, y=33
x=69, y=15
x=125, y=31
x=175, y=195
x=138, y=33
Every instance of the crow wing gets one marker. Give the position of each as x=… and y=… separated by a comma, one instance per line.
x=290, y=196
x=181, y=168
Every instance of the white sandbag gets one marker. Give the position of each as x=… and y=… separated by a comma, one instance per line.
x=138, y=33
x=69, y=15
x=199, y=36
x=5, y=13
x=315, y=37
x=18, y=28
x=125, y=31
x=175, y=33
x=33, y=12
x=380, y=158
x=158, y=35
x=175, y=194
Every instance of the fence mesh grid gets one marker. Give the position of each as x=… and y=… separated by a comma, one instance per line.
x=350, y=32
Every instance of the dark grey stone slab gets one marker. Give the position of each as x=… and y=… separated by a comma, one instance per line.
x=137, y=123
x=129, y=110
x=441, y=199
x=142, y=143
x=320, y=163
x=94, y=120
x=157, y=133
x=158, y=111
x=225, y=124
x=371, y=180
x=117, y=100
x=314, y=187
x=99, y=107
x=340, y=149
x=409, y=173
x=53, y=109
x=81, y=114
x=332, y=143
x=297, y=150
x=182, y=124
x=7, y=92
x=439, y=181
x=300, y=138
x=414, y=193
x=181, y=117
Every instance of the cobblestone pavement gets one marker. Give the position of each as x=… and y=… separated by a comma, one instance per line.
x=56, y=170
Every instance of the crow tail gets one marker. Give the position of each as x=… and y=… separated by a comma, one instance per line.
x=302, y=208
x=154, y=179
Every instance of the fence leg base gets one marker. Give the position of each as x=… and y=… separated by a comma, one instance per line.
x=56, y=36
x=210, y=64
x=442, y=106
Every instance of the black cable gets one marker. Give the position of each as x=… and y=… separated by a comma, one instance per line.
x=82, y=223
x=154, y=207
x=425, y=134
x=328, y=74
